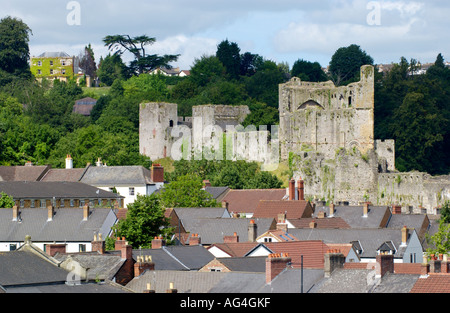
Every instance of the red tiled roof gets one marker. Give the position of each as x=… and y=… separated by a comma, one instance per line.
x=434, y=283
x=328, y=222
x=246, y=200
x=294, y=209
x=313, y=252
x=236, y=249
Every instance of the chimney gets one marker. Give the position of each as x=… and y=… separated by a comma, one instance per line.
x=157, y=173
x=301, y=190
x=435, y=264
x=332, y=209
x=396, y=209
x=252, y=231
x=120, y=242
x=384, y=264
x=321, y=214
x=444, y=264
x=275, y=264
x=149, y=289
x=69, y=162
x=333, y=259
x=281, y=222
x=225, y=204
x=404, y=236
x=99, y=162
x=292, y=189
x=15, y=213
x=194, y=240
x=231, y=239
x=365, y=209
x=158, y=242
x=85, y=212
x=313, y=224
x=98, y=244
x=206, y=183
x=54, y=248
x=171, y=289
x=50, y=213
x=144, y=262
x=29, y=163
x=126, y=252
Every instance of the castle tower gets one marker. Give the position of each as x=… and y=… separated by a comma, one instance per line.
x=155, y=123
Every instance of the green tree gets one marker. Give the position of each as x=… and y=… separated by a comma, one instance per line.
x=229, y=54
x=145, y=219
x=206, y=69
x=111, y=68
x=346, y=62
x=87, y=62
x=439, y=242
x=6, y=201
x=14, y=50
x=445, y=212
x=308, y=71
x=186, y=191
x=137, y=46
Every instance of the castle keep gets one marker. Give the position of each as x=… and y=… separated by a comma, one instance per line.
x=326, y=134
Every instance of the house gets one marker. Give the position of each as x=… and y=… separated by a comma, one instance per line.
x=170, y=72
x=277, y=235
x=403, y=244
x=71, y=227
x=245, y=201
x=39, y=194
x=84, y=106
x=29, y=172
x=128, y=181
x=29, y=270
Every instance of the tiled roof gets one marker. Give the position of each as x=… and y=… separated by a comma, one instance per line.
x=294, y=209
x=433, y=283
x=117, y=176
x=245, y=264
x=63, y=174
x=353, y=215
x=22, y=173
x=330, y=222
x=246, y=200
x=312, y=251
x=236, y=249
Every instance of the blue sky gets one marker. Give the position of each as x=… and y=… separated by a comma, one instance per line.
x=282, y=30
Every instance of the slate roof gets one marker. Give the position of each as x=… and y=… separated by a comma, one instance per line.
x=67, y=225
x=23, y=173
x=190, y=215
x=48, y=190
x=116, y=176
x=212, y=230
x=180, y=258
x=331, y=222
x=245, y=264
x=246, y=200
x=84, y=106
x=370, y=239
x=217, y=192
x=290, y=281
x=236, y=249
x=294, y=209
x=60, y=54
x=353, y=215
x=63, y=174
x=420, y=222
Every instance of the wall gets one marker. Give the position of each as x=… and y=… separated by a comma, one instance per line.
x=323, y=117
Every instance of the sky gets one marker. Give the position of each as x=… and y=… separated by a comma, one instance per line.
x=278, y=30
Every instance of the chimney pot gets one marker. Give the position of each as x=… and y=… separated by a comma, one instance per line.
x=292, y=189
x=50, y=212
x=332, y=209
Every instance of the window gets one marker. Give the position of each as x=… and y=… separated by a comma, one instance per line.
x=39, y=72
x=51, y=72
x=39, y=63
x=22, y=202
x=32, y=203
x=51, y=63
x=81, y=203
x=412, y=258
x=131, y=191
x=63, y=71
x=43, y=203
x=72, y=203
x=61, y=203
x=12, y=247
x=81, y=247
x=63, y=62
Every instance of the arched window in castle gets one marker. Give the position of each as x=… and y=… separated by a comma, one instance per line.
x=309, y=104
x=350, y=101
x=171, y=123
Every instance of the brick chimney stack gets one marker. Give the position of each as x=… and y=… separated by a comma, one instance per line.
x=206, y=183
x=157, y=173
x=98, y=244
x=54, y=248
x=292, y=189
x=231, y=239
x=50, y=213
x=404, y=236
x=301, y=190
x=365, y=209
x=252, y=231
x=120, y=242
x=15, y=209
x=158, y=242
x=396, y=209
x=126, y=252
x=275, y=264
x=85, y=212
x=332, y=209
x=385, y=264
x=142, y=264
x=194, y=240
x=333, y=259
x=313, y=224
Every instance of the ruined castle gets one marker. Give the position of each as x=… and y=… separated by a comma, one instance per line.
x=326, y=134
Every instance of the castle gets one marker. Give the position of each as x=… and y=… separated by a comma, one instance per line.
x=326, y=134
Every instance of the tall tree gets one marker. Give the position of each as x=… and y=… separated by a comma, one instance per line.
x=228, y=53
x=137, y=46
x=346, y=62
x=87, y=62
x=14, y=50
x=308, y=71
x=111, y=68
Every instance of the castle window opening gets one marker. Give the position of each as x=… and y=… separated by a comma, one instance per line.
x=350, y=101
x=170, y=123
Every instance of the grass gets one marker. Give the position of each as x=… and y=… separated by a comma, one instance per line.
x=95, y=92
